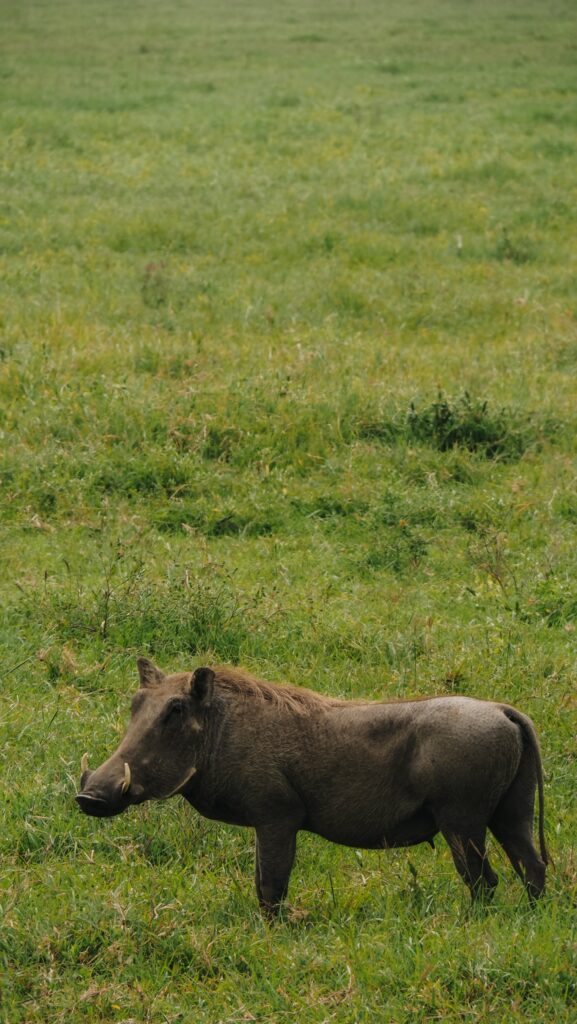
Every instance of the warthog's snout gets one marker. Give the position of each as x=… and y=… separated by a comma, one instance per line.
x=95, y=806
x=104, y=794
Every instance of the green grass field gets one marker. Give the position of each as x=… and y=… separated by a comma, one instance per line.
x=288, y=353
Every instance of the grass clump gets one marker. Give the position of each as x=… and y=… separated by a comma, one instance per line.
x=188, y=611
x=401, y=549
x=555, y=601
x=515, y=250
x=465, y=422
x=471, y=423
x=229, y=518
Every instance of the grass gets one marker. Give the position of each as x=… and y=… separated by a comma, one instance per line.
x=287, y=372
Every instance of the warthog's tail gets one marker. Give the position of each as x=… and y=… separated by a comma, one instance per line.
x=530, y=736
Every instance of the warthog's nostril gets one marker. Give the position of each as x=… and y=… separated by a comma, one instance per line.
x=92, y=805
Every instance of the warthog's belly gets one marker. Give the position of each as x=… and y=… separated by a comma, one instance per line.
x=418, y=828
x=421, y=828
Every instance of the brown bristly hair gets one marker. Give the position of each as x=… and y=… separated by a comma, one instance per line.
x=244, y=685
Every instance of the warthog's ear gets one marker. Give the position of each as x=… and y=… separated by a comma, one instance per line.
x=202, y=685
x=149, y=674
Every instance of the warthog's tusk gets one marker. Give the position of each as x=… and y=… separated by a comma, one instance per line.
x=181, y=784
x=84, y=763
x=126, y=783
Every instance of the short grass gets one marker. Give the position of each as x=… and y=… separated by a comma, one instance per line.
x=288, y=367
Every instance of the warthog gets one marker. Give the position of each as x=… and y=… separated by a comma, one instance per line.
x=364, y=774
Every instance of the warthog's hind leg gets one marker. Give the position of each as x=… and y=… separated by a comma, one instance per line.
x=275, y=854
x=517, y=841
x=512, y=826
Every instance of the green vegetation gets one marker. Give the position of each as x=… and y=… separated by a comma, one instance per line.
x=288, y=341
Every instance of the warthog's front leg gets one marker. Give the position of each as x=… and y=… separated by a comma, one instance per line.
x=275, y=854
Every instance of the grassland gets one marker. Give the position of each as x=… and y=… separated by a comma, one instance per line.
x=288, y=375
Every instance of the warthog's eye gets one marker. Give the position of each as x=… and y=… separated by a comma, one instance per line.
x=174, y=709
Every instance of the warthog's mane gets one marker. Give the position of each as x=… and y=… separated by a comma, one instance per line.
x=232, y=682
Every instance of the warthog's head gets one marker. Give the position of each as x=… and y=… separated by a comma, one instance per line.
x=158, y=755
